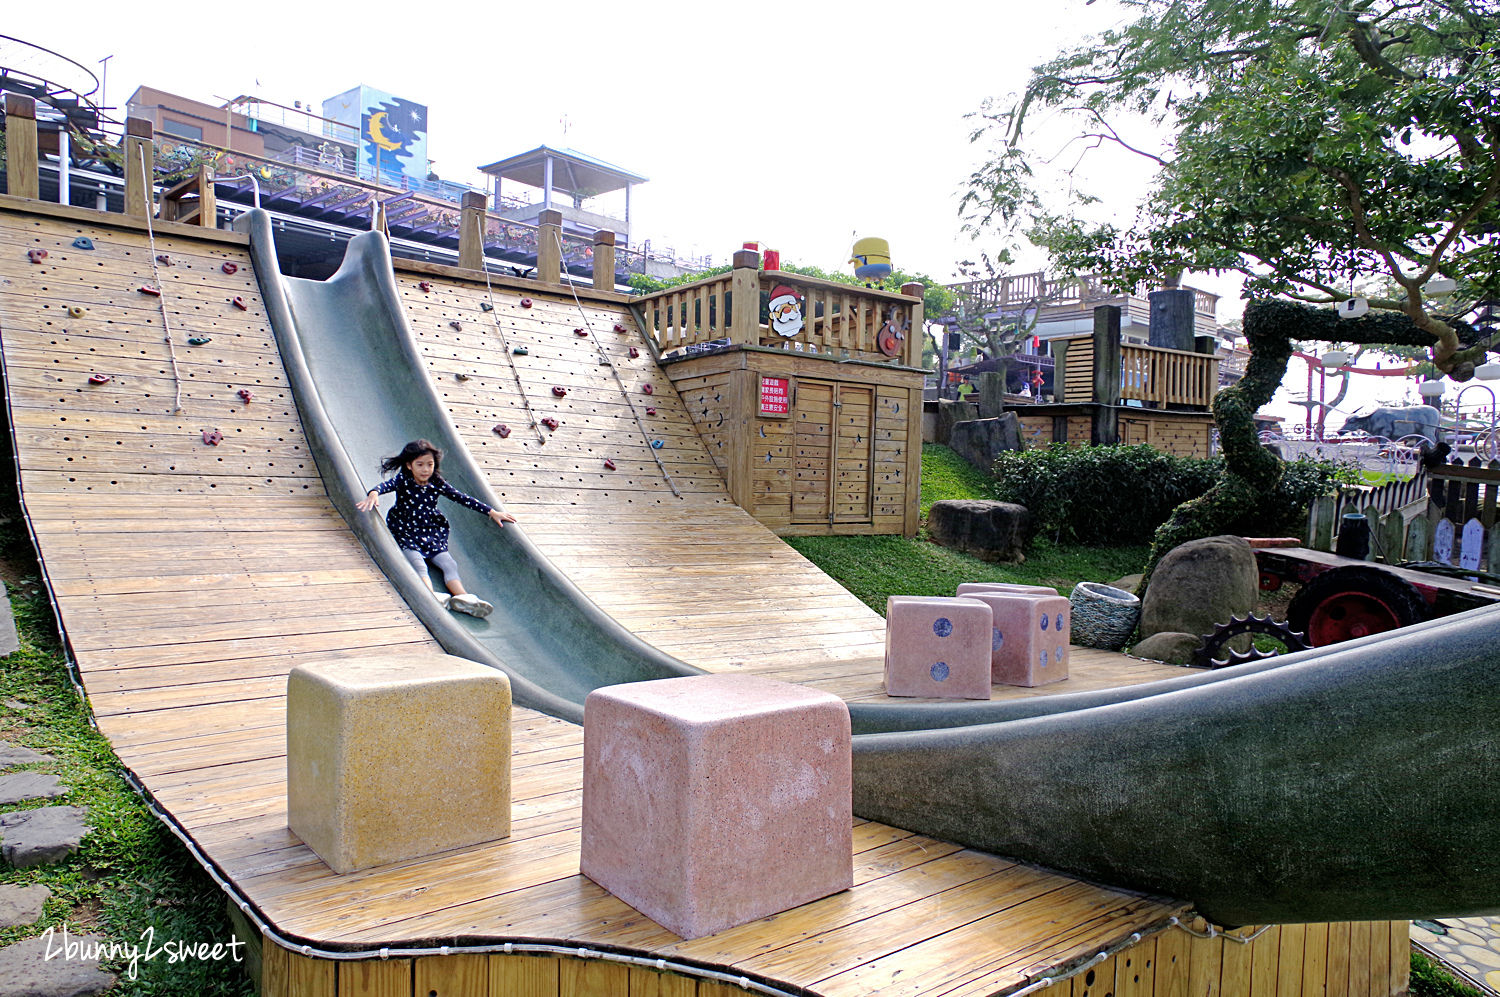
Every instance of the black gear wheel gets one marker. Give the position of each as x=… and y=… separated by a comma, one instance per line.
x=1207, y=656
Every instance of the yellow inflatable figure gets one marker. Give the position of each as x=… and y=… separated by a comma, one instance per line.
x=872, y=259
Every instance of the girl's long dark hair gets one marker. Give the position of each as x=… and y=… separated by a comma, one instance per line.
x=409, y=453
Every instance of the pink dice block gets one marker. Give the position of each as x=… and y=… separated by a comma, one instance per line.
x=715, y=800
x=1029, y=645
x=937, y=647
x=969, y=588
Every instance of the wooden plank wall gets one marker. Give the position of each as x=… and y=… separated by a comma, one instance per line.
x=1182, y=437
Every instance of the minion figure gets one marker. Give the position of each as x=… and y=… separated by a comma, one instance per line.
x=872, y=260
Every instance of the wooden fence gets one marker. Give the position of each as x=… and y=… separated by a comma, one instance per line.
x=1150, y=374
x=1457, y=526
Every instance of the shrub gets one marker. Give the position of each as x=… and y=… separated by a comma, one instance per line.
x=1121, y=494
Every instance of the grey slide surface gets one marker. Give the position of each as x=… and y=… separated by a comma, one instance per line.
x=1345, y=783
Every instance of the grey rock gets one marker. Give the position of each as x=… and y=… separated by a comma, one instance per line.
x=1172, y=648
x=949, y=413
x=1129, y=583
x=30, y=786
x=992, y=531
x=17, y=705
x=1103, y=616
x=15, y=754
x=1199, y=584
x=979, y=440
x=21, y=904
x=47, y=834
x=73, y=970
x=9, y=640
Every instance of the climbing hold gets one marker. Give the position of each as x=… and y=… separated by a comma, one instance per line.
x=456, y=325
x=485, y=306
x=619, y=327
x=634, y=353
x=75, y=311
x=424, y=285
x=245, y=395
x=240, y=304
x=99, y=378
x=461, y=376
x=501, y=430
x=164, y=259
x=199, y=340
x=525, y=302
x=521, y=351
x=230, y=267
x=604, y=361
x=657, y=444
x=36, y=255
x=648, y=389
x=550, y=423
x=559, y=391
x=650, y=411
x=213, y=437
x=580, y=333
x=609, y=465
x=83, y=242
x=154, y=292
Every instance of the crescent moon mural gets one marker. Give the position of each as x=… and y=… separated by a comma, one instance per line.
x=377, y=132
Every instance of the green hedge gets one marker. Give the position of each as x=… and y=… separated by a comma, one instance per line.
x=1121, y=494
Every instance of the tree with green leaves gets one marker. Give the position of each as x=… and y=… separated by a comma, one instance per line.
x=1311, y=145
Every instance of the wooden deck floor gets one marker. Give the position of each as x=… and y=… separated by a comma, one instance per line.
x=189, y=579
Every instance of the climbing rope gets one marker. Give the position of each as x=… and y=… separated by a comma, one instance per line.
x=156, y=282
x=624, y=392
x=515, y=371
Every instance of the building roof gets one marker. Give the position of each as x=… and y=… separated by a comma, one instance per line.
x=572, y=171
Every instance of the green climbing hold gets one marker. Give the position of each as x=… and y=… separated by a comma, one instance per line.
x=199, y=340
x=485, y=306
x=521, y=351
x=83, y=242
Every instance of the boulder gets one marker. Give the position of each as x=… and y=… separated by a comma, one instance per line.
x=979, y=440
x=991, y=531
x=1172, y=648
x=1199, y=584
x=950, y=412
x=55, y=964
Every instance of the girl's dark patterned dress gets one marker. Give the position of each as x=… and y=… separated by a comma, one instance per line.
x=414, y=520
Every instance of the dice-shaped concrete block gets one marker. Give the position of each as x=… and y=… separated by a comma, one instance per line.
x=1029, y=645
x=937, y=647
x=390, y=759
x=970, y=588
x=714, y=800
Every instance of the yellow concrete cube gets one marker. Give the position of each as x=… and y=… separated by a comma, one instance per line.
x=390, y=759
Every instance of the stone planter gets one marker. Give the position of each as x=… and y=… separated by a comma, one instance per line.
x=1103, y=616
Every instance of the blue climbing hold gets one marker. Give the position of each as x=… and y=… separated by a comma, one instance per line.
x=657, y=444
x=485, y=306
x=83, y=242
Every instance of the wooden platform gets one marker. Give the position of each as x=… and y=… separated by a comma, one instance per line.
x=189, y=579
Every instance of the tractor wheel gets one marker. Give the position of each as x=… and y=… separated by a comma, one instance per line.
x=1345, y=603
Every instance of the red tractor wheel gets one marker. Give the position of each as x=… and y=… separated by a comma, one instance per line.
x=1347, y=603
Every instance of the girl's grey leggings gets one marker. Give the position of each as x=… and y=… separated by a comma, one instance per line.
x=444, y=562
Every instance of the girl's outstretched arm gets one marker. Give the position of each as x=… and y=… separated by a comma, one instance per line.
x=501, y=517
x=373, y=495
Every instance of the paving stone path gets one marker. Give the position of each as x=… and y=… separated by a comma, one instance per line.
x=1468, y=945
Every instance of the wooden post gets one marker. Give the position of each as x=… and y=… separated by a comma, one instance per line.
x=549, y=247
x=20, y=147
x=471, y=231
x=204, y=211
x=1106, y=429
x=140, y=168
x=917, y=333
x=604, y=262
x=744, y=291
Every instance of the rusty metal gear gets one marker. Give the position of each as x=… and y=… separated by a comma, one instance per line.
x=1207, y=656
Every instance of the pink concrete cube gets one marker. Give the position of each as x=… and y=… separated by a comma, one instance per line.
x=714, y=800
x=1030, y=638
x=937, y=647
x=969, y=588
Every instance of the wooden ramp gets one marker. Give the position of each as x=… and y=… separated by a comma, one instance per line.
x=190, y=578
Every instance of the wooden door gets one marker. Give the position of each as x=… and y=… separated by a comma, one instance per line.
x=832, y=472
x=855, y=414
x=813, y=415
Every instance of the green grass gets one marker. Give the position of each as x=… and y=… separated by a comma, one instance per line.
x=946, y=475
x=1430, y=979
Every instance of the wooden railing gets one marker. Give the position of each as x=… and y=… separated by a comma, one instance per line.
x=838, y=320
x=1147, y=373
x=1016, y=290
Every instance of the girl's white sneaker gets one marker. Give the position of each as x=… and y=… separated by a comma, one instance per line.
x=443, y=598
x=471, y=604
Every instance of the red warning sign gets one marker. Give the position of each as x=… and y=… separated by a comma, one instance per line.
x=775, y=396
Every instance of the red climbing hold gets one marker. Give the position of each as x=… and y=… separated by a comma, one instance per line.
x=634, y=353
x=456, y=325
x=212, y=437
x=550, y=423
x=619, y=327
x=36, y=255
x=648, y=389
x=99, y=378
x=230, y=268
x=525, y=302
x=580, y=333
x=502, y=430
x=424, y=285
x=559, y=392
x=154, y=292
x=651, y=411
x=164, y=259
x=245, y=395
x=609, y=465
x=240, y=304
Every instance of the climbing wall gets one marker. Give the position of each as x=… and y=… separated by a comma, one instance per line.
x=190, y=570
